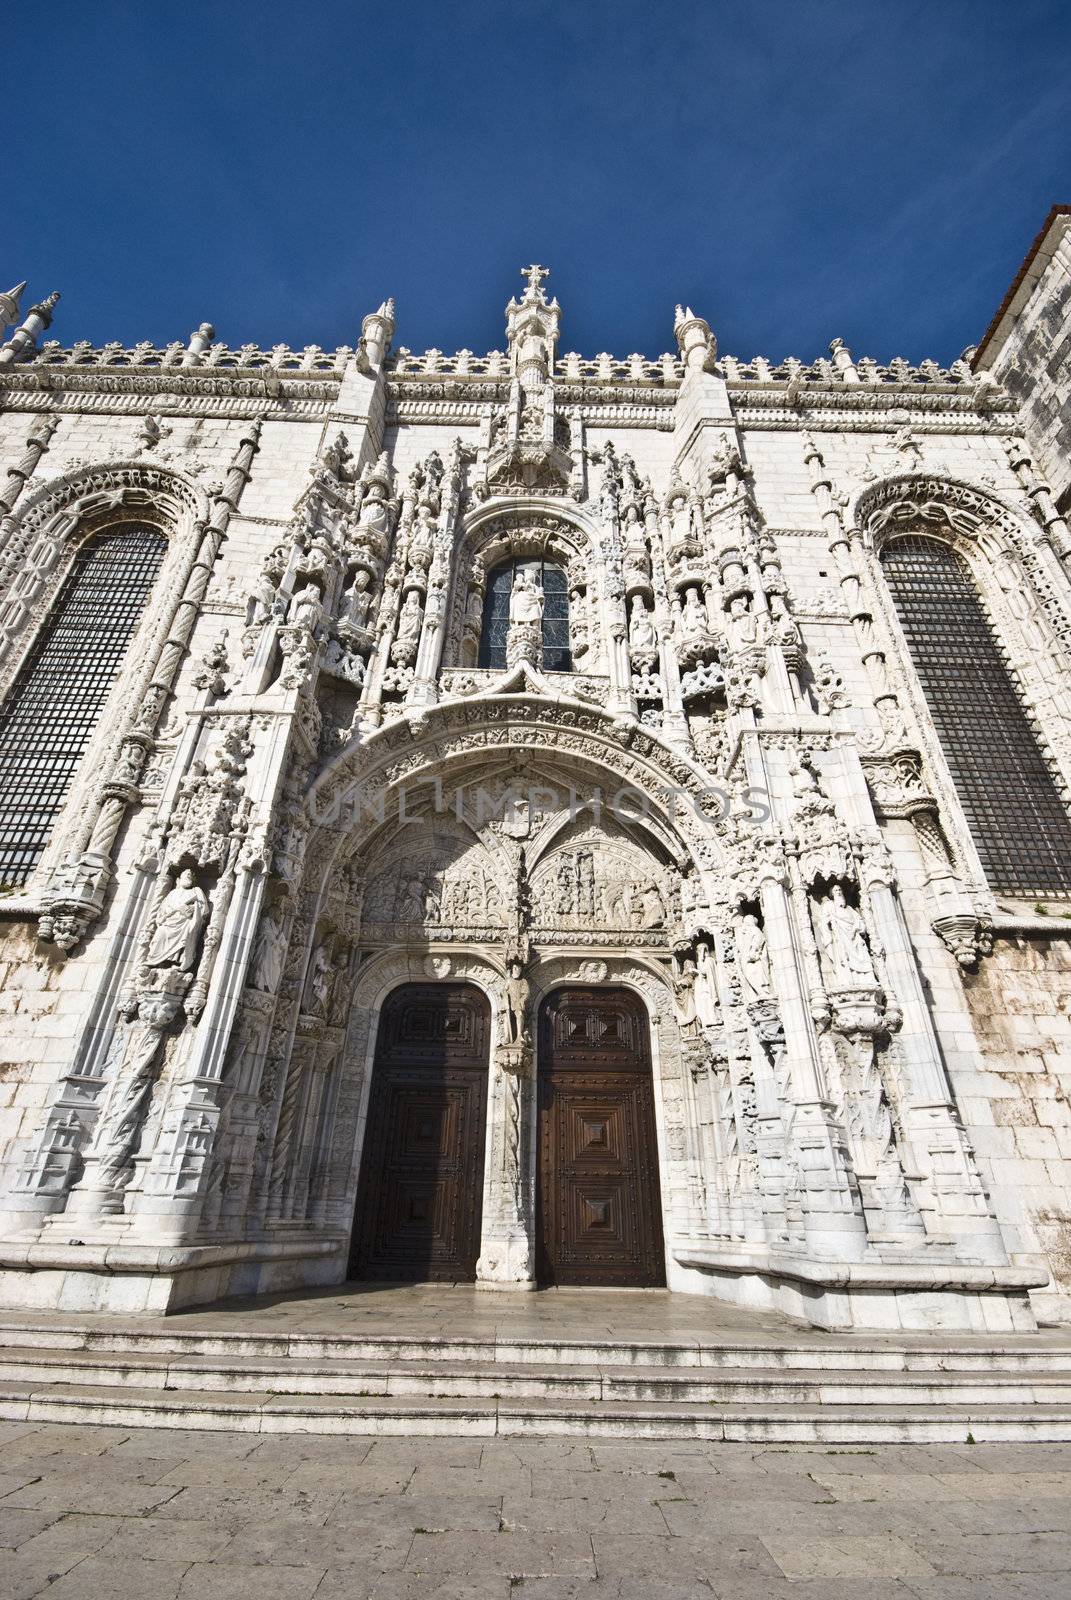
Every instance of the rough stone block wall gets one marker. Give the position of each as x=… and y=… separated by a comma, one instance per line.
x=1034, y=365
x=1019, y=1102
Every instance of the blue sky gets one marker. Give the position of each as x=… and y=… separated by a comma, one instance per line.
x=869, y=168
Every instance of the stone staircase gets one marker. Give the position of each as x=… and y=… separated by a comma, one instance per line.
x=783, y=1387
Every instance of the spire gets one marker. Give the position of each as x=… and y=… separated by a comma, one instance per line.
x=698, y=346
x=377, y=331
x=9, y=305
x=532, y=330
x=23, y=342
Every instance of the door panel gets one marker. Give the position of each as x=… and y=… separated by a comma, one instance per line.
x=421, y=1191
x=599, y=1210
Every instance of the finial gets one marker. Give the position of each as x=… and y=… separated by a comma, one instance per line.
x=45, y=309
x=377, y=330
x=535, y=276
x=697, y=344
x=9, y=305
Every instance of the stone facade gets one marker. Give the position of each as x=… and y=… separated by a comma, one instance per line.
x=308, y=786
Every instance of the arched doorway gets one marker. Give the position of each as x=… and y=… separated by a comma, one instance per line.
x=420, y=1196
x=598, y=1204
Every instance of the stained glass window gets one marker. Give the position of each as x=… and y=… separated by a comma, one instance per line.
x=495, y=629
x=1013, y=807
x=61, y=687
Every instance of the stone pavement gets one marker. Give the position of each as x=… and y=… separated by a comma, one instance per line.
x=88, y=1512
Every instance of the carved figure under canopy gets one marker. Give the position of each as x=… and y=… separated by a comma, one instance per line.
x=841, y=933
x=641, y=630
x=706, y=988
x=269, y=951
x=182, y=915
x=525, y=601
x=752, y=957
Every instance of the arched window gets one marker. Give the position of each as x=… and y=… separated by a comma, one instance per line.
x=495, y=629
x=1015, y=812
x=60, y=689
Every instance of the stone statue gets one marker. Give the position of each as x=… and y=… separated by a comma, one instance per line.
x=359, y=600
x=305, y=608
x=262, y=600
x=641, y=630
x=741, y=626
x=706, y=988
x=525, y=601
x=752, y=957
x=841, y=934
x=182, y=915
x=410, y=620
x=269, y=951
x=513, y=1024
x=318, y=983
x=693, y=615
x=684, y=1000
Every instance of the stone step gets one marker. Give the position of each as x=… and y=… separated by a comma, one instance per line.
x=759, y=1386
x=1047, y=1352
x=133, y=1407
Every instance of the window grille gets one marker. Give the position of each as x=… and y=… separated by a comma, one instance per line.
x=495, y=629
x=1013, y=807
x=60, y=690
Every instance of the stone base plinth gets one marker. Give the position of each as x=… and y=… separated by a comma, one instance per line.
x=904, y=1297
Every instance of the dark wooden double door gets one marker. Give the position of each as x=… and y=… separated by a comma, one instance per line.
x=599, y=1210
x=420, y=1197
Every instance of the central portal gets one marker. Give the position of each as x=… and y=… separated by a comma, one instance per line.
x=598, y=1203
x=420, y=1198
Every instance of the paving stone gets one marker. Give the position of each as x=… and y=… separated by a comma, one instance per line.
x=235, y=1509
x=539, y=1515
x=363, y=1477
x=869, y=1555
x=18, y=1526
x=224, y=1580
x=1008, y=1586
x=516, y=1555
x=703, y=1485
x=119, y=1499
x=426, y=1513
x=153, y=1538
x=983, y=1552
x=236, y=1473
x=640, y=1555
x=304, y=1544
x=101, y=1578
x=431, y=1479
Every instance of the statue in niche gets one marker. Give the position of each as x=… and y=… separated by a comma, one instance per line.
x=706, y=988
x=182, y=915
x=410, y=620
x=752, y=957
x=693, y=615
x=642, y=638
x=474, y=611
x=263, y=602
x=741, y=625
x=269, y=951
x=652, y=905
x=359, y=599
x=842, y=938
x=680, y=515
x=513, y=1025
x=684, y=1000
x=306, y=609
x=525, y=601
x=411, y=901
x=318, y=983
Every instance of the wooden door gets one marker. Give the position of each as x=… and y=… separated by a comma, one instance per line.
x=599, y=1209
x=420, y=1197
